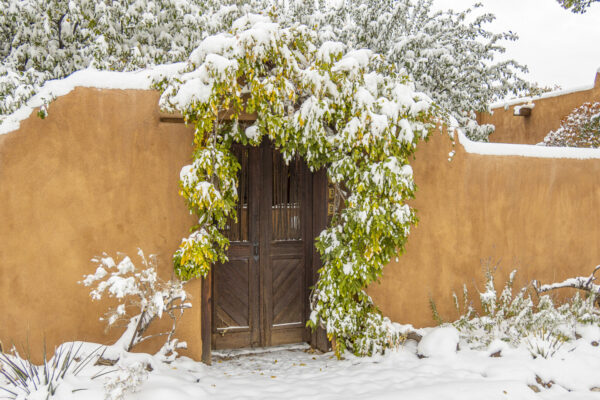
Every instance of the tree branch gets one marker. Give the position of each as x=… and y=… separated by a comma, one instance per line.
x=581, y=282
x=59, y=25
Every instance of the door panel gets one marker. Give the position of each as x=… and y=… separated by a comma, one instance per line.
x=235, y=307
x=232, y=315
x=261, y=294
x=288, y=290
x=232, y=288
x=286, y=269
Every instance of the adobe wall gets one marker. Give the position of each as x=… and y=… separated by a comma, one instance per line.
x=549, y=110
x=539, y=215
x=100, y=174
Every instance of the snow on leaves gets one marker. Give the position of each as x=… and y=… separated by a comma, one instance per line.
x=450, y=56
x=581, y=128
x=140, y=290
x=335, y=107
x=517, y=318
x=50, y=39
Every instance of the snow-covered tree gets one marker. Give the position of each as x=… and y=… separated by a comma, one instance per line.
x=451, y=56
x=577, y=6
x=50, y=39
x=581, y=128
x=142, y=291
x=332, y=105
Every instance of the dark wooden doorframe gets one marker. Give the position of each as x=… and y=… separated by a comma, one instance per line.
x=317, y=181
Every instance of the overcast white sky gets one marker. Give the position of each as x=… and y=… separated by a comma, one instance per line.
x=559, y=47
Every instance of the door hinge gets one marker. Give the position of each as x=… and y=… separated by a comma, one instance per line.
x=255, y=246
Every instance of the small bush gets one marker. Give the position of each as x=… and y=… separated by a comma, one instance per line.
x=142, y=292
x=581, y=128
x=125, y=380
x=517, y=319
x=544, y=343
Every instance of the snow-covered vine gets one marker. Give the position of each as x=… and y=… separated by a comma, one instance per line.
x=334, y=106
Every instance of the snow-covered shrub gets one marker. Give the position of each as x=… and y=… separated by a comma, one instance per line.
x=585, y=283
x=440, y=342
x=513, y=318
x=25, y=380
x=333, y=106
x=543, y=343
x=581, y=128
x=125, y=380
x=142, y=291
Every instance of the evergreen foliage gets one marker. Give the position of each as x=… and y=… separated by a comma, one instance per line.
x=333, y=106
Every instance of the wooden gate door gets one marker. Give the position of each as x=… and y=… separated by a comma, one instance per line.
x=260, y=296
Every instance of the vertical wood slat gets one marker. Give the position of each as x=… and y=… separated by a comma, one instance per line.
x=309, y=241
x=266, y=222
x=287, y=199
x=243, y=196
x=255, y=193
x=206, y=318
x=319, y=337
x=238, y=231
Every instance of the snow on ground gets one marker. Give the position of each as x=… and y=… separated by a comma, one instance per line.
x=297, y=372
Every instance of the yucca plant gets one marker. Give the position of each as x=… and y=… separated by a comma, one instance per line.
x=23, y=377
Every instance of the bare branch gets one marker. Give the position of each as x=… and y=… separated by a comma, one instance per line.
x=585, y=283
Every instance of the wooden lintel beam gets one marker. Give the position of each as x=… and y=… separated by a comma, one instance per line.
x=522, y=111
x=177, y=117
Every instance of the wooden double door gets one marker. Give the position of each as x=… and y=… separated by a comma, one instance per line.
x=260, y=296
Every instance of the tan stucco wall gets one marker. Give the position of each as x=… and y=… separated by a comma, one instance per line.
x=539, y=215
x=545, y=116
x=101, y=174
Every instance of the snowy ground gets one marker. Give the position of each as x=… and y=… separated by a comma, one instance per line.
x=296, y=372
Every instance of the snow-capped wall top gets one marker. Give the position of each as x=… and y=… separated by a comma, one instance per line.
x=554, y=93
x=526, y=150
x=89, y=77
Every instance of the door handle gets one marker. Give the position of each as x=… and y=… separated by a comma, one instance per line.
x=255, y=250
